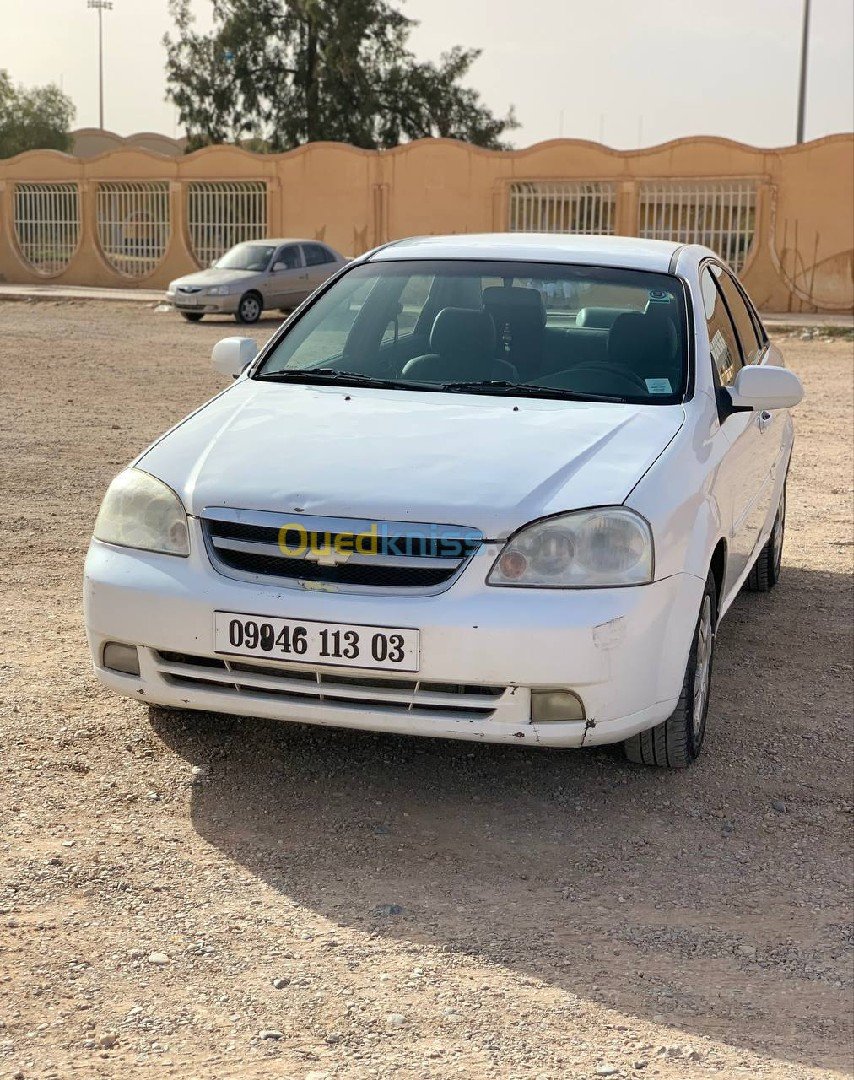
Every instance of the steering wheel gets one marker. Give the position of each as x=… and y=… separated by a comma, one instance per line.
x=623, y=373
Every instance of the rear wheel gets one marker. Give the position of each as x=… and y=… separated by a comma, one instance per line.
x=192, y=316
x=765, y=572
x=249, y=309
x=677, y=741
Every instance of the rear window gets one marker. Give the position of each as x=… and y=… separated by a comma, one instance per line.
x=586, y=331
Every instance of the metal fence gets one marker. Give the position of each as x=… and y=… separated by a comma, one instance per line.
x=585, y=207
x=134, y=224
x=719, y=214
x=47, y=225
x=221, y=214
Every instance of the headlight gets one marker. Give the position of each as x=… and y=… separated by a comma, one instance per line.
x=218, y=290
x=139, y=511
x=585, y=549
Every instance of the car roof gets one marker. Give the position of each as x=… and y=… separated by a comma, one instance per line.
x=624, y=251
x=278, y=240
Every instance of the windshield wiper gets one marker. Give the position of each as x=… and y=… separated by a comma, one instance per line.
x=502, y=387
x=332, y=377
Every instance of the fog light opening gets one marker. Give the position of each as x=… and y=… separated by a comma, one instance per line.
x=122, y=658
x=555, y=706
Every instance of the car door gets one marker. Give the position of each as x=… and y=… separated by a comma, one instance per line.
x=320, y=263
x=770, y=425
x=744, y=468
x=288, y=278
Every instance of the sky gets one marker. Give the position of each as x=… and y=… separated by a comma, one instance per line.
x=623, y=72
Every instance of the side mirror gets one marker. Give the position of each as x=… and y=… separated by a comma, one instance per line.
x=277, y=266
x=759, y=388
x=231, y=355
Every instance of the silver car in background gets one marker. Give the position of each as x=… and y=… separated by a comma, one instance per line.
x=253, y=277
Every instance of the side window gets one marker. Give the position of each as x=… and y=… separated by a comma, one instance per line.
x=313, y=348
x=751, y=346
x=317, y=255
x=723, y=342
x=289, y=256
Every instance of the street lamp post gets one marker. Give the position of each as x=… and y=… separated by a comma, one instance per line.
x=100, y=6
x=802, y=88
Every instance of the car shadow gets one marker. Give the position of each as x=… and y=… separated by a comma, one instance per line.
x=712, y=900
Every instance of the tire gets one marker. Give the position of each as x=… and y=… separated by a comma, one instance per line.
x=676, y=742
x=249, y=309
x=765, y=572
x=192, y=316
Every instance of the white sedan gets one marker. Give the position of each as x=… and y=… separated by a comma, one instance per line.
x=498, y=488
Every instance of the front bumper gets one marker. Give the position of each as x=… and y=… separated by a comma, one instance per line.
x=483, y=649
x=207, y=305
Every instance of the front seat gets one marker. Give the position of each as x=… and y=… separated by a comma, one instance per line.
x=462, y=349
x=645, y=346
x=519, y=316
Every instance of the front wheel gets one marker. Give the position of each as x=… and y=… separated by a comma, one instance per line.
x=677, y=741
x=249, y=309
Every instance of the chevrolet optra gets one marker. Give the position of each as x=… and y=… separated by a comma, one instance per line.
x=499, y=488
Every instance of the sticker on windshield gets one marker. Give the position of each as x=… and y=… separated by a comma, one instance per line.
x=659, y=296
x=659, y=386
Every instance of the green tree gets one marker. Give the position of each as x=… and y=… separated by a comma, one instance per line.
x=284, y=72
x=37, y=119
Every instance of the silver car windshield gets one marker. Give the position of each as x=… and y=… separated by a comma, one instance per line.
x=246, y=257
x=542, y=329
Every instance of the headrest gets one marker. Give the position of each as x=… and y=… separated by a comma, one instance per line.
x=641, y=344
x=462, y=330
x=657, y=309
x=514, y=296
x=600, y=318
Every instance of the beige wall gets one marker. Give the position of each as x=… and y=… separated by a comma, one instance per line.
x=801, y=259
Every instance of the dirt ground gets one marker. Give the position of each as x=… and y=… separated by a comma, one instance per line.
x=391, y=907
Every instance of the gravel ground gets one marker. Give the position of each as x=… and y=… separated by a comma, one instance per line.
x=195, y=896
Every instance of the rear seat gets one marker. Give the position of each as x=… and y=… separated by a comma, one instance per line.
x=601, y=318
x=567, y=348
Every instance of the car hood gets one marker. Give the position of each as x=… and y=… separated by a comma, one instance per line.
x=213, y=276
x=485, y=462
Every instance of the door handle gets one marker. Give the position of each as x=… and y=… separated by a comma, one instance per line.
x=765, y=419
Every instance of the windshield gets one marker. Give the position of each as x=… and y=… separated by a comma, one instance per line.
x=495, y=327
x=246, y=257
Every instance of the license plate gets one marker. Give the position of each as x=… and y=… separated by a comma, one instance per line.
x=188, y=300
x=307, y=642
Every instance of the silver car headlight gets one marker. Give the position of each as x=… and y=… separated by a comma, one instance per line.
x=582, y=550
x=218, y=290
x=140, y=511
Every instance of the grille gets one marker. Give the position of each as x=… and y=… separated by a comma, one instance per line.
x=389, y=555
x=393, y=695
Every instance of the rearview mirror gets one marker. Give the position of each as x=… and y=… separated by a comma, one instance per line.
x=759, y=388
x=231, y=355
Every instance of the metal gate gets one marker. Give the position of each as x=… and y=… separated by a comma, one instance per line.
x=221, y=214
x=719, y=214
x=583, y=207
x=134, y=224
x=47, y=225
